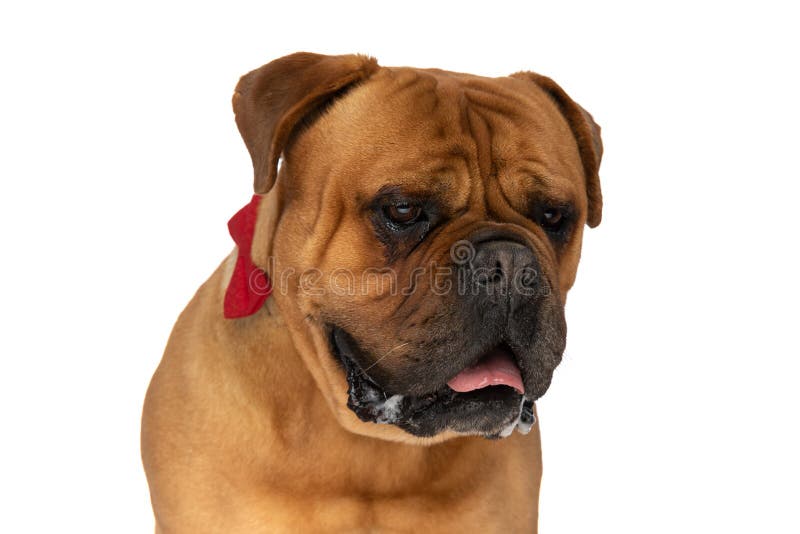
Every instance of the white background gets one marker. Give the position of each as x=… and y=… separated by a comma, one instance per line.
x=676, y=408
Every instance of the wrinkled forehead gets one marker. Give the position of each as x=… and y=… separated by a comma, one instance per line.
x=409, y=124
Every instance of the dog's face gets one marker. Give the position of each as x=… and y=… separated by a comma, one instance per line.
x=423, y=233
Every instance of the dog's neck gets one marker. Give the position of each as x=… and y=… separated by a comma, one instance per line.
x=293, y=438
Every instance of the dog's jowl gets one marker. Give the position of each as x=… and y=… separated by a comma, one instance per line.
x=368, y=357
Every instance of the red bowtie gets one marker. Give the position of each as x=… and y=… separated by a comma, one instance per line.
x=249, y=286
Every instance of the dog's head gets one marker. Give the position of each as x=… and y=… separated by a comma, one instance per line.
x=422, y=229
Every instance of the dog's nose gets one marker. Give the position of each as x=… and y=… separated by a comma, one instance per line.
x=505, y=270
x=499, y=261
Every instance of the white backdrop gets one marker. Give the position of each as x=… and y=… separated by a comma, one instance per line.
x=676, y=407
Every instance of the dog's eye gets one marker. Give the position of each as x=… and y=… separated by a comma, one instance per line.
x=403, y=213
x=552, y=219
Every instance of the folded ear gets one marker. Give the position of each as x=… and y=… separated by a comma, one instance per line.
x=271, y=101
x=587, y=134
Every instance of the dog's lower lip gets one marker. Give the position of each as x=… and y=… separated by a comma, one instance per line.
x=371, y=403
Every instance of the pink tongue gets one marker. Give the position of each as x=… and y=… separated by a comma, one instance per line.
x=495, y=369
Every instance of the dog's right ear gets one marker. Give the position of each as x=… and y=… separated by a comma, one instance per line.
x=271, y=101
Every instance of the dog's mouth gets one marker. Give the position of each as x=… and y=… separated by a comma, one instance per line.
x=487, y=398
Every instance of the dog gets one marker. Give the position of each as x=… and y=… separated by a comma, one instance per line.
x=392, y=309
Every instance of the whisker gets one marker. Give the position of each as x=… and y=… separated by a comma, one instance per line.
x=376, y=362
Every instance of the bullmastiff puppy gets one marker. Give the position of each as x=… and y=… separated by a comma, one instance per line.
x=393, y=307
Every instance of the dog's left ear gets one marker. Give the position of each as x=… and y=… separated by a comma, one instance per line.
x=587, y=134
x=271, y=101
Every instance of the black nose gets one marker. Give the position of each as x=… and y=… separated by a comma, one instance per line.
x=505, y=270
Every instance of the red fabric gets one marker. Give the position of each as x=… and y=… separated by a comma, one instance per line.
x=249, y=286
